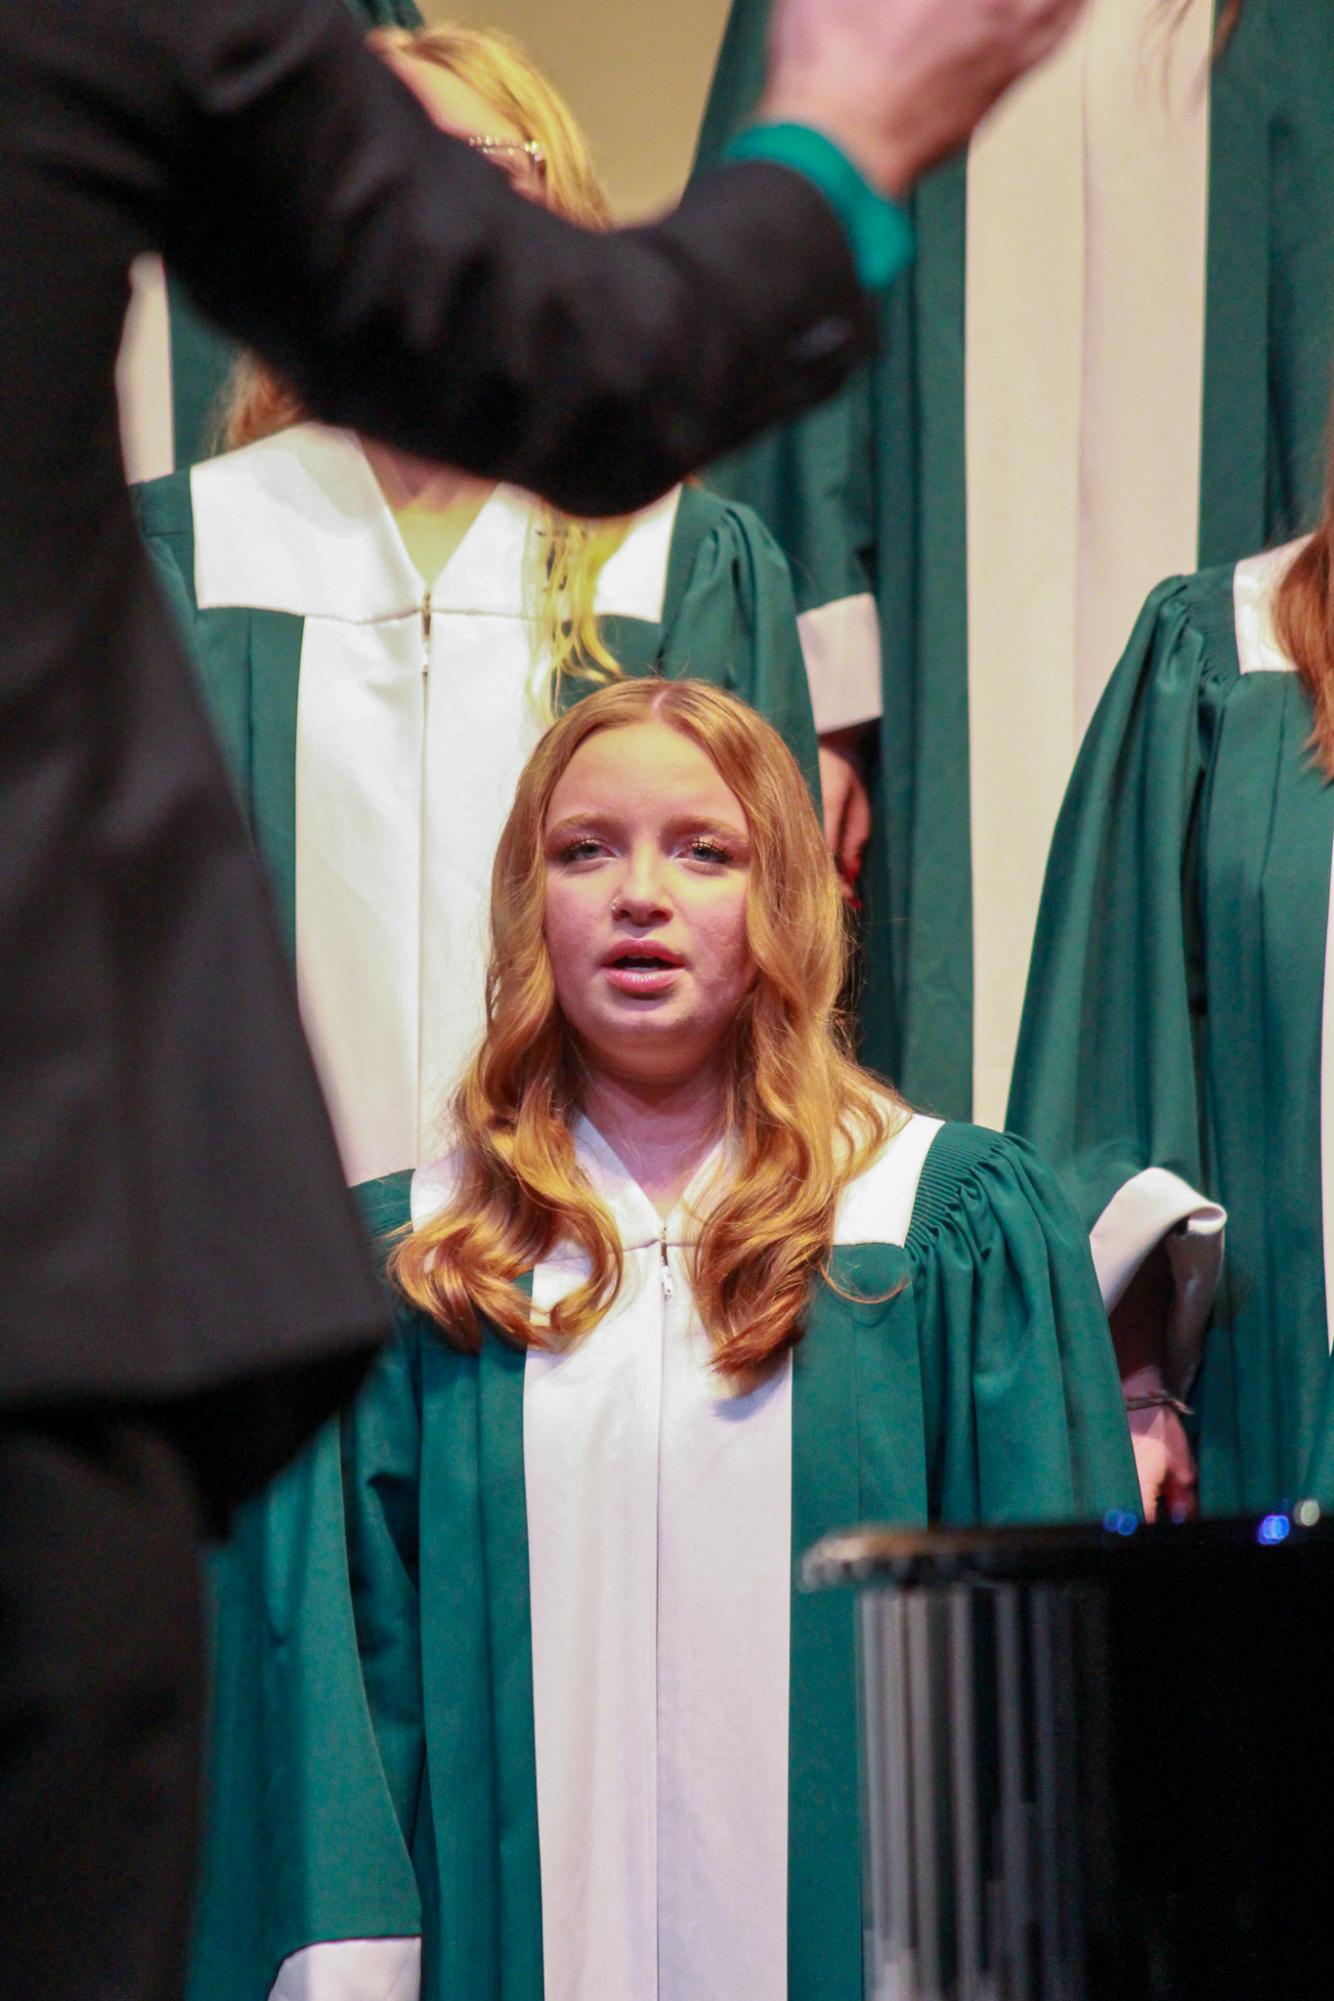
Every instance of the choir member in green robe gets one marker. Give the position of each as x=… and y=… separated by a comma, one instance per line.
x=1175, y=1057
x=382, y=641
x=1109, y=362
x=515, y=1696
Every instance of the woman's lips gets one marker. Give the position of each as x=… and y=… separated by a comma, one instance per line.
x=642, y=974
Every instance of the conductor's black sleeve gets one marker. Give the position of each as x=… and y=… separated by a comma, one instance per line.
x=316, y=213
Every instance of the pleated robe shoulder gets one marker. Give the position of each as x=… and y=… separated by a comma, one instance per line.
x=515, y=1699
x=376, y=724
x=1175, y=1058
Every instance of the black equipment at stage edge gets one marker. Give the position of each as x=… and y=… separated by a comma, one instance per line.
x=1097, y=1763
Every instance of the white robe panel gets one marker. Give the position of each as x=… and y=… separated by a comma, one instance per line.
x=1084, y=357
x=659, y=1526
x=412, y=730
x=354, y=1969
x=359, y=809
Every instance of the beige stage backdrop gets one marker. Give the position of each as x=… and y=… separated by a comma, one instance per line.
x=636, y=76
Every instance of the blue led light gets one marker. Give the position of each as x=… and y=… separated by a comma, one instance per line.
x=1274, y=1528
x=1120, y=1521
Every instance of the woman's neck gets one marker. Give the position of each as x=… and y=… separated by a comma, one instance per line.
x=407, y=481
x=662, y=1131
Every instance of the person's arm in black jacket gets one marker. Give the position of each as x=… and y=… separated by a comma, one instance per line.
x=387, y=271
x=316, y=214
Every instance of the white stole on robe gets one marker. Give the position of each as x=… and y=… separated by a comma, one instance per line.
x=660, y=1556
x=1084, y=360
x=411, y=734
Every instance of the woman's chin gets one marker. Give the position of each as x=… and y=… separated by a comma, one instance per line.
x=649, y=1052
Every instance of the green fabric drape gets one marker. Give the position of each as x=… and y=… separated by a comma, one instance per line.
x=855, y=516
x=869, y=492
x=1269, y=323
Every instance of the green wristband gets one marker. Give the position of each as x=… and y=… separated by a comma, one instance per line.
x=878, y=231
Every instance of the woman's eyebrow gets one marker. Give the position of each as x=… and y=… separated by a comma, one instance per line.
x=687, y=822
x=590, y=822
x=707, y=823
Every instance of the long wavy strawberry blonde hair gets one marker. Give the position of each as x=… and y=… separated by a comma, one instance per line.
x=800, y=1118
x=565, y=556
x=1304, y=622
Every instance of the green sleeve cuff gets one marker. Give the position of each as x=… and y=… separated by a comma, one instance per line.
x=878, y=231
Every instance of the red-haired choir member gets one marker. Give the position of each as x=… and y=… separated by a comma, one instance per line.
x=517, y=1697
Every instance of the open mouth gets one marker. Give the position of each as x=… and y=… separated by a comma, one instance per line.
x=644, y=971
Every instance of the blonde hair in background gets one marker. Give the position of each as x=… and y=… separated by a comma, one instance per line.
x=801, y=1118
x=565, y=556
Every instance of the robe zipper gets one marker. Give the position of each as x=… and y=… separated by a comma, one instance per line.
x=422, y=761
x=664, y=1269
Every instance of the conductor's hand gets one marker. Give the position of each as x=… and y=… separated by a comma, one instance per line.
x=899, y=83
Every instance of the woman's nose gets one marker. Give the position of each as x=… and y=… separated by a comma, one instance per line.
x=642, y=892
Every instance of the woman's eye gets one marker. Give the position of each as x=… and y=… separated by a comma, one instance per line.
x=705, y=850
x=584, y=849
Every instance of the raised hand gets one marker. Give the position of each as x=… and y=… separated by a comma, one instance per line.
x=899, y=83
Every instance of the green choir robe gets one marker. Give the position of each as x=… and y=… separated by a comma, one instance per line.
x=1175, y=1055
x=390, y=1751
x=1109, y=362
x=376, y=725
